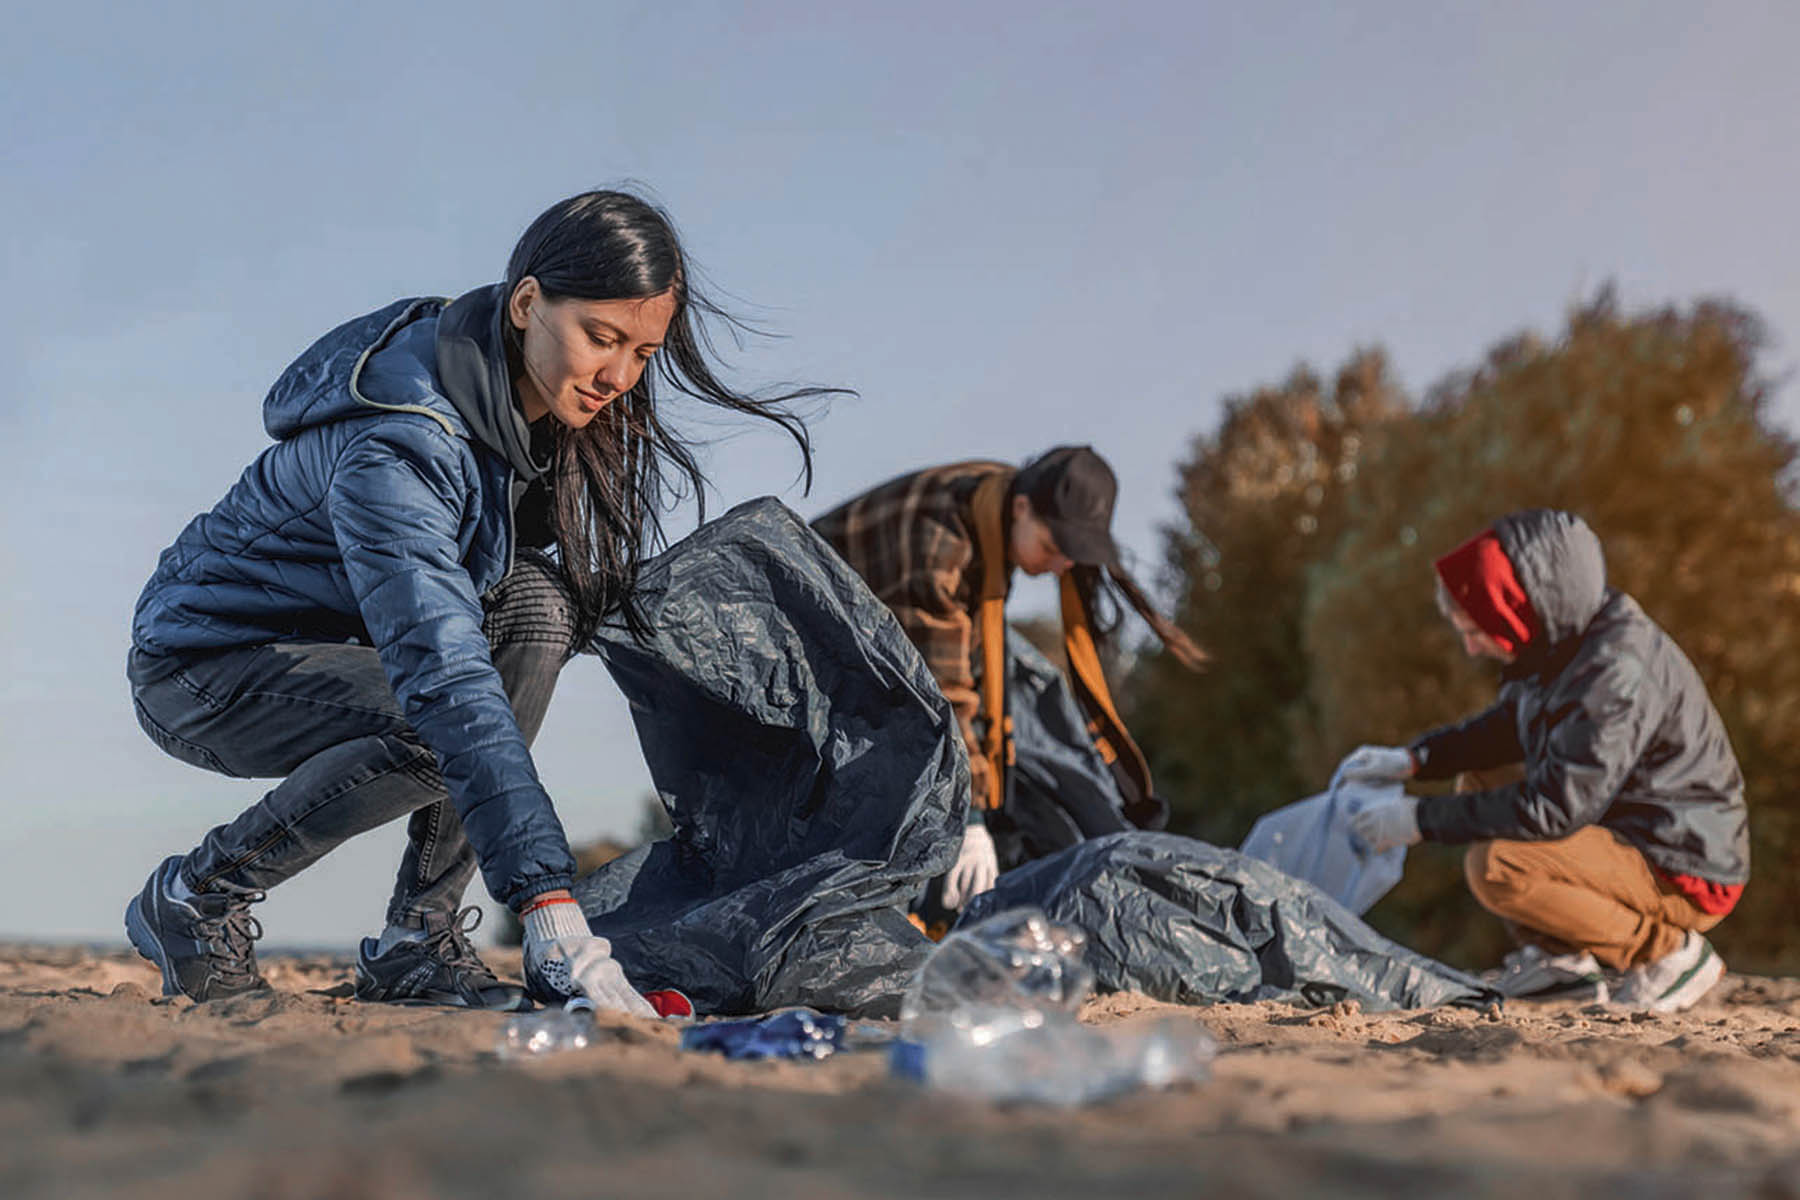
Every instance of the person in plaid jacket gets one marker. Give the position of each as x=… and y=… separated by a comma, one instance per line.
x=938, y=546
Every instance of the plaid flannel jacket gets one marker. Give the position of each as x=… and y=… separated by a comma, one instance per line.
x=913, y=541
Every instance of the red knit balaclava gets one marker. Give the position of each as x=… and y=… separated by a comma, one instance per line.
x=1480, y=578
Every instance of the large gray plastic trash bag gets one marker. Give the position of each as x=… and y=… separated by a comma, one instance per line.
x=1191, y=923
x=812, y=769
x=1311, y=840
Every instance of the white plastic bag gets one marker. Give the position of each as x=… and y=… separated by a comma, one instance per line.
x=1311, y=840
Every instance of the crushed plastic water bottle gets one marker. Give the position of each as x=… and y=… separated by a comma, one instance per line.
x=993, y=1015
x=571, y=1027
x=1017, y=959
x=791, y=1033
x=1047, y=1058
x=549, y=1031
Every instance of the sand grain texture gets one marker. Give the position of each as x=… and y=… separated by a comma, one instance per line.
x=109, y=1089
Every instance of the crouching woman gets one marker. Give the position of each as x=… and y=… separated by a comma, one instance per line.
x=1627, y=838
x=362, y=616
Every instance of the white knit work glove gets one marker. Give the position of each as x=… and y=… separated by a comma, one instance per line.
x=563, y=959
x=976, y=868
x=1387, y=823
x=1375, y=765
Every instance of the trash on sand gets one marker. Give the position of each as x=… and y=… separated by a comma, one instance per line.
x=549, y=1031
x=1048, y=1058
x=1015, y=960
x=992, y=1015
x=571, y=1027
x=791, y=1033
x=670, y=1004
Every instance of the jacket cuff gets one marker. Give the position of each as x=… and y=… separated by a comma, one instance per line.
x=1438, y=818
x=1424, y=769
x=524, y=893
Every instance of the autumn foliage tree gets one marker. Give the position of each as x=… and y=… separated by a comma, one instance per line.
x=1263, y=497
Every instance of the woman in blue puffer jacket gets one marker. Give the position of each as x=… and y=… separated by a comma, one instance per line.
x=370, y=616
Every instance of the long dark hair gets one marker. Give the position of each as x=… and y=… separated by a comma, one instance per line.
x=1106, y=591
x=610, y=480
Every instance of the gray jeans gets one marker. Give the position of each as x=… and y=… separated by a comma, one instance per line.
x=321, y=717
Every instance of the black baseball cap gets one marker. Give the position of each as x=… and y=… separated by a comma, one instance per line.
x=1073, y=490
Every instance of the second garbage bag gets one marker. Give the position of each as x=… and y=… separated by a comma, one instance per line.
x=1312, y=840
x=812, y=769
x=1191, y=923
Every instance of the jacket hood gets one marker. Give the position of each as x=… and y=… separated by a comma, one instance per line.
x=323, y=384
x=1560, y=565
x=1481, y=581
x=472, y=370
x=421, y=356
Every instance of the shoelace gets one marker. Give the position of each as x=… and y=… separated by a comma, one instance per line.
x=451, y=944
x=232, y=937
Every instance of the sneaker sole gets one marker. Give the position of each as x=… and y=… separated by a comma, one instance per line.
x=522, y=1005
x=1582, y=991
x=438, y=1000
x=1685, y=992
x=145, y=943
x=434, y=999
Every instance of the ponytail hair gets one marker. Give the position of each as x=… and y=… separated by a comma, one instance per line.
x=1102, y=588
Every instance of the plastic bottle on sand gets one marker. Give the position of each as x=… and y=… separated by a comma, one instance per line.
x=548, y=1031
x=994, y=1014
x=1049, y=1058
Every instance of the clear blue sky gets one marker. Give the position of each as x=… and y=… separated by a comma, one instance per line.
x=1007, y=224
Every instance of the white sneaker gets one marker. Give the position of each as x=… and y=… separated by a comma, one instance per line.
x=1532, y=971
x=1673, y=982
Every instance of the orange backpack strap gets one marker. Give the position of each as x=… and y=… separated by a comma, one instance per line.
x=988, y=508
x=1111, y=738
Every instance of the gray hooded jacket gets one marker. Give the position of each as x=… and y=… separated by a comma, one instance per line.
x=1611, y=720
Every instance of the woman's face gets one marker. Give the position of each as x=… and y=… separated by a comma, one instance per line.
x=581, y=355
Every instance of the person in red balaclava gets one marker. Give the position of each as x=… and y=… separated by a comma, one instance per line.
x=1628, y=837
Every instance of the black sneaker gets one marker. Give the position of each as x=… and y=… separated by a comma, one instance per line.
x=440, y=968
x=204, y=945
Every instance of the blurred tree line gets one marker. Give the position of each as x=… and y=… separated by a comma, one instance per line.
x=1312, y=516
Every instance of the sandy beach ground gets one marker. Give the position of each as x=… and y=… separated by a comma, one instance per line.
x=109, y=1089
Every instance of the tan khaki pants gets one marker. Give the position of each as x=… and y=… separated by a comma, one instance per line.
x=1589, y=891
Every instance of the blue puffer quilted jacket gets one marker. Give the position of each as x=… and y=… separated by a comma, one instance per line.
x=383, y=512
